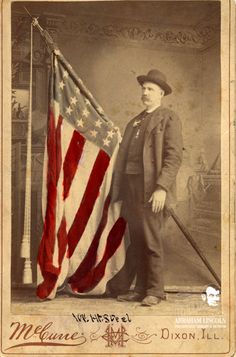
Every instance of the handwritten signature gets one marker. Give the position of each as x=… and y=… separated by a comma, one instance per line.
x=107, y=318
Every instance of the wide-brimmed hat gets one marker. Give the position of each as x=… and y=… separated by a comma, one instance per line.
x=156, y=77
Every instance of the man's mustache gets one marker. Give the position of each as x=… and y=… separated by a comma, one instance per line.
x=144, y=97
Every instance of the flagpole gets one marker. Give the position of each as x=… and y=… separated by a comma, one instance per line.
x=25, y=244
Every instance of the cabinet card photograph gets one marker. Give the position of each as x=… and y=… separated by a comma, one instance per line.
x=117, y=176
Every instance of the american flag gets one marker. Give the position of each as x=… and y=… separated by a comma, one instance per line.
x=82, y=241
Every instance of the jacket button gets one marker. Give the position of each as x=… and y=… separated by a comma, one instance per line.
x=153, y=161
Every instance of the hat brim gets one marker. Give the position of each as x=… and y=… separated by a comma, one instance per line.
x=167, y=89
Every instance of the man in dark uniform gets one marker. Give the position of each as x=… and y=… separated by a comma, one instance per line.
x=144, y=179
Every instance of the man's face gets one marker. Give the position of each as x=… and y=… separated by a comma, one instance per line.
x=213, y=296
x=151, y=94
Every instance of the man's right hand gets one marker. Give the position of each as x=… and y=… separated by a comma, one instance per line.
x=158, y=199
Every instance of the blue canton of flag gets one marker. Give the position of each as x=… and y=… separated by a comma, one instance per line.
x=79, y=108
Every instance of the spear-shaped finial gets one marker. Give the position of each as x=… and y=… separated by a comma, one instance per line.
x=44, y=33
x=28, y=12
x=35, y=22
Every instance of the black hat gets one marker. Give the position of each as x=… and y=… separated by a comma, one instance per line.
x=156, y=77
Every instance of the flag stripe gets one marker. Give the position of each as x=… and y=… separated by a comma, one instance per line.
x=62, y=241
x=90, y=258
x=71, y=161
x=58, y=148
x=82, y=284
x=46, y=249
x=59, y=204
x=50, y=280
x=45, y=288
x=88, y=200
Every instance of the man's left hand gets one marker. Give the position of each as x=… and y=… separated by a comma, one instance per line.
x=158, y=200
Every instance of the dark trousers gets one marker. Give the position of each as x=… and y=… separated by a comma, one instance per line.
x=144, y=257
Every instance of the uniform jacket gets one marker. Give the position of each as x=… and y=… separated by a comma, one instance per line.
x=162, y=155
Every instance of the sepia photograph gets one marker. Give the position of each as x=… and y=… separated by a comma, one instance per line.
x=118, y=173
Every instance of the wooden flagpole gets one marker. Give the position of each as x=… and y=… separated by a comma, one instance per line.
x=25, y=244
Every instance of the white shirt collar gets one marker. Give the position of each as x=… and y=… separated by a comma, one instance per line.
x=152, y=110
